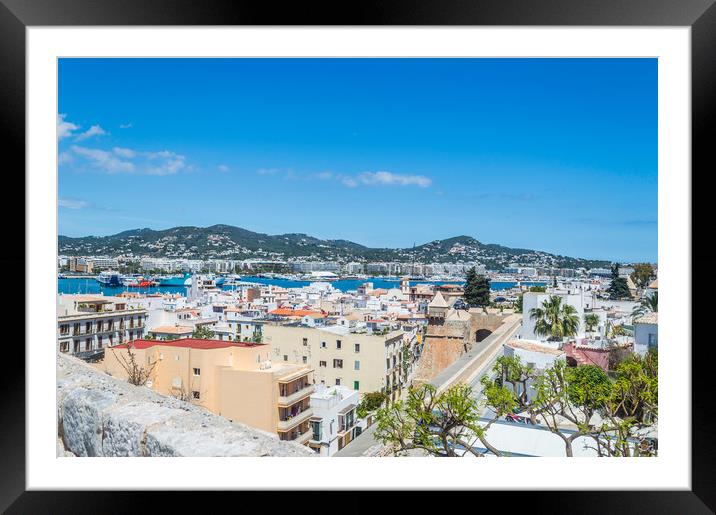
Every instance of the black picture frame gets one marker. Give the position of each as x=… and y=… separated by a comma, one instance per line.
x=700, y=15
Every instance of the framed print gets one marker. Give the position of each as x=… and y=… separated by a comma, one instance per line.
x=276, y=250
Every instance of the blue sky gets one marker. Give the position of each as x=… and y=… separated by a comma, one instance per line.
x=551, y=154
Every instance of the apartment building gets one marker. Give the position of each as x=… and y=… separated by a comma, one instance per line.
x=86, y=324
x=359, y=360
x=335, y=422
x=236, y=380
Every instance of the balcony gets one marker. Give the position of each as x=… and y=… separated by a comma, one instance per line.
x=287, y=400
x=304, y=438
x=285, y=425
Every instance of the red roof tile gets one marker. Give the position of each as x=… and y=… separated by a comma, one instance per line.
x=191, y=343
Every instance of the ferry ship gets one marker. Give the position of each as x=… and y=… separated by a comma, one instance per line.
x=184, y=280
x=109, y=278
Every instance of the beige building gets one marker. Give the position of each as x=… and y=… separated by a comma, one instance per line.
x=236, y=380
x=360, y=361
x=86, y=324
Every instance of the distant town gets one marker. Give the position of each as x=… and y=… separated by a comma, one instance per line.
x=318, y=352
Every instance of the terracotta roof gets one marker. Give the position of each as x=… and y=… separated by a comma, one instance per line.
x=649, y=318
x=172, y=329
x=285, y=312
x=191, y=343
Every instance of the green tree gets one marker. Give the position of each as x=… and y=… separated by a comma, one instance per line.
x=554, y=319
x=435, y=422
x=649, y=304
x=477, y=289
x=371, y=401
x=203, y=332
x=510, y=370
x=538, y=289
x=618, y=289
x=518, y=304
x=643, y=274
x=591, y=320
x=631, y=409
x=573, y=394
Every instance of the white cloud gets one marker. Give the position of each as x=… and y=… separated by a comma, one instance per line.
x=268, y=171
x=95, y=130
x=125, y=125
x=169, y=163
x=126, y=153
x=65, y=128
x=384, y=179
x=104, y=160
x=64, y=158
x=388, y=178
x=223, y=168
x=127, y=160
x=73, y=203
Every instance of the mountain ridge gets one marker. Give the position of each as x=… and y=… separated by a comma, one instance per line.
x=221, y=241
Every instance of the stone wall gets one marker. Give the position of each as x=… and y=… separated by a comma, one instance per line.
x=99, y=415
x=445, y=344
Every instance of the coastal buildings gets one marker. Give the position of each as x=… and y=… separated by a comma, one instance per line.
x=87, y=324
x=237, y=380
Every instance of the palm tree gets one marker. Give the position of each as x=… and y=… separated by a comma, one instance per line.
x=591, y=320
x=554, y=319
x=649, y=304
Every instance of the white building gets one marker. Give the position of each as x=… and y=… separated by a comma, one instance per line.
x=334, y=422
x=646, y=333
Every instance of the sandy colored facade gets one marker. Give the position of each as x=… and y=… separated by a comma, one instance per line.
x=236, y=380
x=363, y=362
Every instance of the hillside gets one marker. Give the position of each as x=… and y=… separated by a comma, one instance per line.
x=229, y=242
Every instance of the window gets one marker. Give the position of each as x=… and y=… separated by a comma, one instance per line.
x=652, y=339
x=356, y=365
x=356, y=385
x=196, y=394
x=88, y=343
x=338, y=381
x=305, y=360
x=285, y=357
x=387, y=363
x=305, y=342
x=321, y=363
x=76, y=346
x=357, y=347
x=88, y=327
x=176, y=357
x=197, y=371
x=64, y=346
x=323, y=345
x=337, y=363
x=338, y=344
x=316, y=429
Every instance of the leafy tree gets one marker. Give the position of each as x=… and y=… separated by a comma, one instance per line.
x=618, y=289
x=649, y=304
x=510, y=370
x=477, y=289
x=435, y=422
x=571, y=394
x=591, y=320
x=203, y=332
x=150, y=336
x=630, y=410
x=257, y=337
x=643, y=274
x=371, y=401
x=538, y=289
x=554, y=319
x=518, y=304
